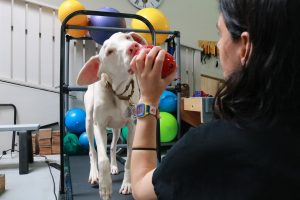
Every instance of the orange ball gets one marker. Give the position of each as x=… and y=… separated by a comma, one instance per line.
x=77, y=33
x=68, y=7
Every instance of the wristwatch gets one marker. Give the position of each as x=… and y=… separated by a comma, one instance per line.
x=142, y=110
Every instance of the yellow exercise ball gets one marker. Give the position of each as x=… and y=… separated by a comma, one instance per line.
x=158, y=20
x=68, y=7
x=77, y=33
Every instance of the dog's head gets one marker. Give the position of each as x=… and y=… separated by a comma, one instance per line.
x=113, y=59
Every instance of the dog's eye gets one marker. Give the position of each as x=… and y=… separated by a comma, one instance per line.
x=109, y=52
x=128, y=37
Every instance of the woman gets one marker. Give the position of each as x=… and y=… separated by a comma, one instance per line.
x=252, y=149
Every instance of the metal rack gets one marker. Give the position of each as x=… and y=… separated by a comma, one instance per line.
x=65, y=88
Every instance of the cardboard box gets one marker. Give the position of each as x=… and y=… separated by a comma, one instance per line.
x=44, y=141
x=45, y=150
x=55, y=145
x=45, y=134
x=2, y=183
x=35, y=146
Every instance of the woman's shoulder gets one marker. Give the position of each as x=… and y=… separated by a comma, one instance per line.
x=216, y=129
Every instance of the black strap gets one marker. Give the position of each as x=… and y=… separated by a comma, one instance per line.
x=144, y=149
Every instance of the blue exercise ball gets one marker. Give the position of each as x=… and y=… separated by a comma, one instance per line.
x=75, y=120
x=84, y=141
x=168, y=102
x=104, y=21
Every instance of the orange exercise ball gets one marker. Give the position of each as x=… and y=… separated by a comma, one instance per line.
x=77, y=33
x=68, y=7
x=158, y=20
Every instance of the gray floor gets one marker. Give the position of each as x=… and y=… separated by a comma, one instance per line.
x=36, y=185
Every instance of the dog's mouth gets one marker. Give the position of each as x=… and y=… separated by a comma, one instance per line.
x=130, y=71
x=133, y=53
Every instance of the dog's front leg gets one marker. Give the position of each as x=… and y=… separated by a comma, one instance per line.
x=93, y=177
x=113, y=148
x=105, y=182
x=126, y=184
x=89, y=123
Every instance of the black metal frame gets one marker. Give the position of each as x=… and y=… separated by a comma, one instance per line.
x=64, y=78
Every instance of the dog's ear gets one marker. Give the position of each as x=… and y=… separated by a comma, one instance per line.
x=89, y=72
x=138, y=38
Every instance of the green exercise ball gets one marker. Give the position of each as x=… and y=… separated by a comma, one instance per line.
x=124, y=133
x=71, y=144
x=168, y=127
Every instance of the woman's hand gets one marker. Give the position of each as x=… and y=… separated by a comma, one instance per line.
x=147, y=66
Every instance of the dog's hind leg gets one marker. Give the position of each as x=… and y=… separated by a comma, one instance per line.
x=126, y=184
x=89, y=108
x=113, y=148
x=105, y=182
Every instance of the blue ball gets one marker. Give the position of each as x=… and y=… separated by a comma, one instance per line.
x=168, y=102
x=104, y=21
x=75, y=120
x=84, y=141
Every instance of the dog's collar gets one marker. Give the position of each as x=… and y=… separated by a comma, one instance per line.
x=120, y=96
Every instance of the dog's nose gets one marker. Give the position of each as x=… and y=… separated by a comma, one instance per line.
x=133, y=48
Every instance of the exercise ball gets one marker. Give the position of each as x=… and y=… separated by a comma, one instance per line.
x=75, y=120
x=71, y=144
x=168, y=102
x=100, y=36
x=158, y=20
x=168, y=127
x=77, y=33
x=84, y=141
x=124, y=133
x=68, y=7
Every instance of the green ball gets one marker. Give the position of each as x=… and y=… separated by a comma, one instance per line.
x=71, y=144
x=124, y=133
x=168, y=127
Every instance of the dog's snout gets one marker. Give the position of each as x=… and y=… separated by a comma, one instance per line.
x=133, y=48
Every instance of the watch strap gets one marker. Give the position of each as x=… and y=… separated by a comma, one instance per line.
x=148, y=110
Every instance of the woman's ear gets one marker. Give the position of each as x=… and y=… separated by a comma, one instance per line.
x=246, y=47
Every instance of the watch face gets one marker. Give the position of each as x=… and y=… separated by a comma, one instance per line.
x=146, y=3
x=140, y=110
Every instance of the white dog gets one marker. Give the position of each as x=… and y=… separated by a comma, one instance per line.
x=111, y=94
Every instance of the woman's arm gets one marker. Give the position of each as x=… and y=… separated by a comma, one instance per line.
x=143, y=162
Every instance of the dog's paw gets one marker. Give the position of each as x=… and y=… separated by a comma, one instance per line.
x=125, y=188
x=93, y=177
x=114, y=169
x=105, y=193
x=105, y=197
x=93, y=180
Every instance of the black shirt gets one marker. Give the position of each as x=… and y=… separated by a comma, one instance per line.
x=220, y=160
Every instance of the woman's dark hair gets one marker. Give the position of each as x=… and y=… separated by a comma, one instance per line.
x=267, y=86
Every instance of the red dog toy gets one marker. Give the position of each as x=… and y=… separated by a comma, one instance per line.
x=169, y=64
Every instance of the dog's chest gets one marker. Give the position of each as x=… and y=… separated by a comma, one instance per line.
x=111, y=110
x=117, y=118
